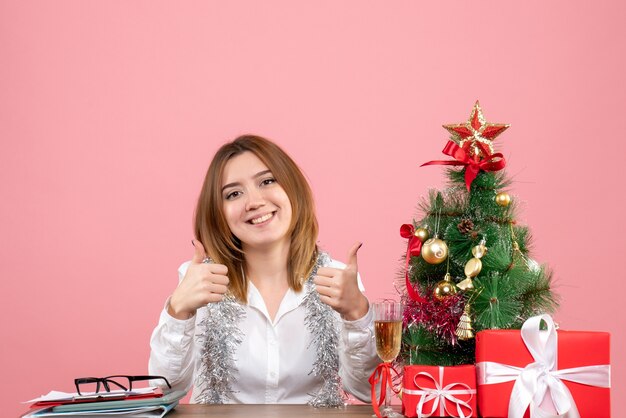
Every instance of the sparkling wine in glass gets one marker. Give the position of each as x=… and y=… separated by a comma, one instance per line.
x=388, y=331
x=388, y=337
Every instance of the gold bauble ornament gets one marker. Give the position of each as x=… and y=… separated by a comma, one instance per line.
x=435, y=251
x=444, y=288
x=421, y=234
x=503, y=199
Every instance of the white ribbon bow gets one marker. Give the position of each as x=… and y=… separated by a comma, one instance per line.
x=440, y=395
x=533, y=381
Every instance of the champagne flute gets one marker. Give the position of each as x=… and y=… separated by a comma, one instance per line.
x=388, y=331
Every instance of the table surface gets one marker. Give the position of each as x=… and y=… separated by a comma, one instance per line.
x=267, y=411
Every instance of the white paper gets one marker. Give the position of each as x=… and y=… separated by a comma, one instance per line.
x=54, y=395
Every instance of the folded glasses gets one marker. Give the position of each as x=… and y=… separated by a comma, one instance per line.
x=124, y=382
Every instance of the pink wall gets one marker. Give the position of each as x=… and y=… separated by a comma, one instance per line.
x=111, y=110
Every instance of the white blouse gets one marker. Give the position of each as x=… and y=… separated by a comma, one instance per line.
x=274, y=359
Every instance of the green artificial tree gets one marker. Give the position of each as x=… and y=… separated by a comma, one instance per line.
x=468, y=266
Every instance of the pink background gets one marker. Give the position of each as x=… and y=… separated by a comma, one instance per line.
x=111, y=110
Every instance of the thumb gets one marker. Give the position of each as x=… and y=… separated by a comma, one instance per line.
x=352, y=259
x=199, y=253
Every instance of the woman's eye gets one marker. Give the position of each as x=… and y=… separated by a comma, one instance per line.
x=232, y=195
x=268, y=181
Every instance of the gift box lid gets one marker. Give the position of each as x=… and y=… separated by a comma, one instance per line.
x=575, y=349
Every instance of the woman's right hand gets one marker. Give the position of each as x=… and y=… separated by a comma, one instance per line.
x=203, y=283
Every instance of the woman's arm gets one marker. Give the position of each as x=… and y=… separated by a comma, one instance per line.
x=340, y=287
x=357, y=355
x=172, y=353
x=173, y=347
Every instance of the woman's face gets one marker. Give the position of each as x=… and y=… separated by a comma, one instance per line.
x=256, y=207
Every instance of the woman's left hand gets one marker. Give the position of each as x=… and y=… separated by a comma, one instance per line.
x=339, y=288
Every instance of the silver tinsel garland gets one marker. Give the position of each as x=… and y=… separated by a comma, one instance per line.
x=222, y=336
x=322, y=323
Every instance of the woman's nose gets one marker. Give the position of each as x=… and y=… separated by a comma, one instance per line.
x=255, y=200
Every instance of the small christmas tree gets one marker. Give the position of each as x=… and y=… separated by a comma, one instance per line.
x=467, y=264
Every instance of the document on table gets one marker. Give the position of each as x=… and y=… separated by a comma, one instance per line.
x=57, y=396
x=156, y=411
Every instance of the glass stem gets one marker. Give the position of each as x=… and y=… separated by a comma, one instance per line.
x=387, y=400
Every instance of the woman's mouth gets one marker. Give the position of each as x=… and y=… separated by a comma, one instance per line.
x=261, y=219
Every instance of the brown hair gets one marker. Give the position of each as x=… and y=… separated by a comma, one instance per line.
x=213, y=232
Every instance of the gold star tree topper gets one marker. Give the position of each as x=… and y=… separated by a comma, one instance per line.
x=476, y=134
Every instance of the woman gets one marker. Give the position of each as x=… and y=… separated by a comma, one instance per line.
x=260, y=315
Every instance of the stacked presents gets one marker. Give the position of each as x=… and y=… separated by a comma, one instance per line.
x=477, y=337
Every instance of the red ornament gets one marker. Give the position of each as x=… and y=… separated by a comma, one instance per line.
x=475, y=135
x=493, y=162
x=414, y=247
x=471, y=146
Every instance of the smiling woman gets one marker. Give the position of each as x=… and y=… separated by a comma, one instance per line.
x=256, y=207
x=260, y=314
x=221, y=193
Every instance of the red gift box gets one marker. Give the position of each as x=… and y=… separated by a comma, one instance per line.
x=438, y=391
x=574, y=365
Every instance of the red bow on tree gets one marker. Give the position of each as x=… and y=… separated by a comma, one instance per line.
x=414, y=247
x=474, y=149
x=492, y=162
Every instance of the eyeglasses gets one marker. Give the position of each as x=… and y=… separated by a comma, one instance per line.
x=121, y=381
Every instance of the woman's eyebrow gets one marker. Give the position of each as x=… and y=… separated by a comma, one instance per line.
x=257, y=175
x=262, y=173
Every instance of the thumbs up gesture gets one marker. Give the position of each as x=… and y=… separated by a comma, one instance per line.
x=203, y=283
x=339, y=289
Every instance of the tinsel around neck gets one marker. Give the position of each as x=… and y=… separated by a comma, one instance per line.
x=222, y=336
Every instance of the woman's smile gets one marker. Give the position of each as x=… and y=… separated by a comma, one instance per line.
x=262, y=219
